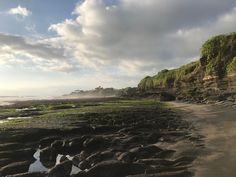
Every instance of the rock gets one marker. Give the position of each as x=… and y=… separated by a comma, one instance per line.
x=63, y=159
x=115, y=169
x=105, y=129
x=58, y=145
x=61, y=170
x=183, y=173
x=12, y=146
x=165, y=154
x=28, y=175
x=76, y=160
x=48, y=157
x=164, y=96
x=48, y=141
x=94, y=143
x=21, y=154
x=5, y=161
x=146, y=152
x=15, y=168
x=80, y=174
x=84, y=165
x=132, y=140
x=76, y=144
x=153, y=137
x=127, y=157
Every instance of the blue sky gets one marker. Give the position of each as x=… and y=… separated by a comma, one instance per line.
x=56, y=46
x=44, y=14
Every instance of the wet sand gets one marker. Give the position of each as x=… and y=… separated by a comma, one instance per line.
x=218, y=125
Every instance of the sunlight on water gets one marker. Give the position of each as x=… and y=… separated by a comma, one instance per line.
x=37, y=166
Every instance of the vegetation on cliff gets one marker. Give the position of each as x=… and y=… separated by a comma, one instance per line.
x=218, y=59
x=219, y=52
x=169, y=78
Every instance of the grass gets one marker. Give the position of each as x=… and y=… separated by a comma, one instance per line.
x=231, y=68
x=219, y=51
x=169, y=78
x=65, y=115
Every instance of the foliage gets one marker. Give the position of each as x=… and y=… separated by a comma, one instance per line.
x=231, y=68
x=218, y=51
x=169, y=78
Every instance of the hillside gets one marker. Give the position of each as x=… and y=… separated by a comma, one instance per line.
x=212, y=77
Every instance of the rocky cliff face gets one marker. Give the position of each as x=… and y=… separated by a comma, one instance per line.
x=212, y=77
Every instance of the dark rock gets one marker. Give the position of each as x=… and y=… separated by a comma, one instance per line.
x=76, y=144
x=153, y=137
x=183, y=173
x=84, y=165
x=63, y=159
x=48, y=157
x=61, y=170
x=127, y=157
x=21, y=154
x=15, y=168
x=12, y=146
x=146, y=152
x=115, y=169
x=164, y=96
x=48, y=141
x=58, y=145
x=105, y=129
x=28, y=175
x=80, y=174
x=94, y=143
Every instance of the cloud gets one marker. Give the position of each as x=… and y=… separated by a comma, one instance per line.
x=38, y=53
x=143, y=32
x=20, y=11
x=125, y=39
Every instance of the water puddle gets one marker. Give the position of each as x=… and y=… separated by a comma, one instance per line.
x=3, y=121
x=13, y=118
x=27, y=109
x=37, y=166
x=16, y=118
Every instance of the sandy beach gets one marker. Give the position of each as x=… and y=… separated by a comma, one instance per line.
x=217, y=125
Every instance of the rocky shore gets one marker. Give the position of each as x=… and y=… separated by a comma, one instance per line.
x=104, y=138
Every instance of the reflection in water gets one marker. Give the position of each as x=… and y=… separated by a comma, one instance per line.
x=13, y=118
x=16, y=118
x=37, y=166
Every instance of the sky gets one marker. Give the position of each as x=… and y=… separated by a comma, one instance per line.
x=57, y=46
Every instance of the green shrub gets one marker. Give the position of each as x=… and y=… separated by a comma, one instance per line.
x=231, y=68
x=219, y=50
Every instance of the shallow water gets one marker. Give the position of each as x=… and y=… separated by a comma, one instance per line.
x=37, y=166
x=13, y=118
x=16, y=118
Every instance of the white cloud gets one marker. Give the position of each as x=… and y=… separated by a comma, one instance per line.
x=20, y=11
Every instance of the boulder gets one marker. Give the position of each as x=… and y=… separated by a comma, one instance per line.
x=48, y=157
x=48, y=141
x=61, y=170
x=94, y=143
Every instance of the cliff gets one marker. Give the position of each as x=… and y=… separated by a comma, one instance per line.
x=212, y=77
